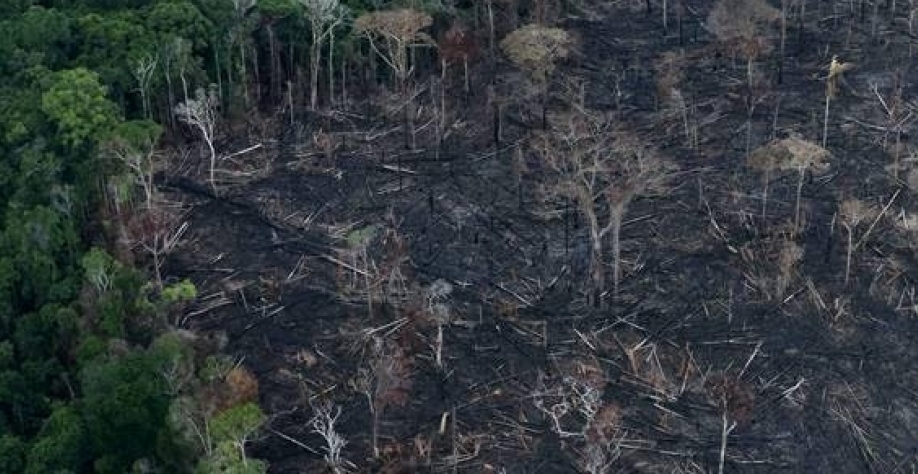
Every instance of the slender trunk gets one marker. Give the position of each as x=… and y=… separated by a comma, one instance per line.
x=465, y=66
x=170, y=92
x=375, y=432
x=597, y=272
x=799, y=192
x=774, y=119
x=213, y=164
x=783, y=41
x=825, y=121
x=272, y=51
x=184, y=85
x=850, y=250
x=314, y=53
x=617, y=216
x=344, y=80
x=243, y=79
x=491, y=47
x=765, y=193
x=257, y=75
x=366, y=281
x=750, y=65
x=331, y=65
x=219, y=75
x=442, y=125
x=157, y=264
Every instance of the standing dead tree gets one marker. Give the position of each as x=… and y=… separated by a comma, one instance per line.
x=157, y=232
x=536, y=49
x=143, y=72
x=201, y=113
x=853, y=212
x=323, y=16
x=392, y=35
x=898, y=119
x=601, y=169
x=153, y=226
x=836, y=69
x=386, y=380
x=792, y=154
x=744, y=27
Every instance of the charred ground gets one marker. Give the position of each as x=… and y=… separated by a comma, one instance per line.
x=733, y=342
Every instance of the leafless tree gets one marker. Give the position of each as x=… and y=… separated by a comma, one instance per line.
x=324, y=418
x=138, y=155
x=157, y=231
x=385, y=380
x=835, y=71
x=143, y=71
x=201, y=113
x=744, y=26
x=392, y=34
x=323, y=16
x=853, y=212
x=601, y=169
x=898, y=120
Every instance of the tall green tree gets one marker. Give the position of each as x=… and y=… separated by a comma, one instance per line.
x=77, y=104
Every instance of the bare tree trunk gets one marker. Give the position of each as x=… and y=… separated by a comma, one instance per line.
x=783, y=41
x=597, y=272
x=850, y=250
x=799, y=192
x=491, y=46
x=213, y=164
x=765, y=192
x=331, y=66
x=616, y=254
x=314, y=58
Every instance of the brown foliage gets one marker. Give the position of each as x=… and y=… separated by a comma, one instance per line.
x=743, y=24
x=238, y=387
x=391, y=367
x=536, y=48
x=734, y=396
x=604, y=426
x=457, y=45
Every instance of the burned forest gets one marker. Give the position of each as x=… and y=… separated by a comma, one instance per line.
x=513, y=236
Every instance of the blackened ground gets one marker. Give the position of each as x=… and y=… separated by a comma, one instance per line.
x=818, y=376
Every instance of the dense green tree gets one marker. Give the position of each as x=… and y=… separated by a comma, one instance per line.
x=125, y=405
x=12, y=453
x=45, y=32
x=76, y=102
x=115, y=65
x=61, y=445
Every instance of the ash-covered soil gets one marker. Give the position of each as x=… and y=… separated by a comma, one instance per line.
x=733, y=343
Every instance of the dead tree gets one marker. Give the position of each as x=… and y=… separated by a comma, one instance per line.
x=157, y=231
x=853, y=212
x=324, y=16
x=134, y=147
x=836, y=69
x=744, y=26
x=201, y=113
x=536, y=49
x=601, y=170
x=792, y=154
x=392, y=34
